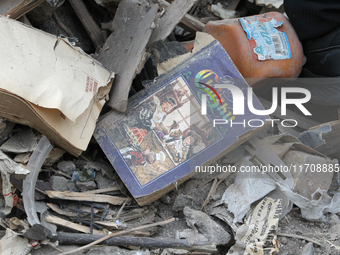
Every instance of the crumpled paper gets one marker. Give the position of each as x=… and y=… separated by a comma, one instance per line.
x=258, y=234
x=8, y=167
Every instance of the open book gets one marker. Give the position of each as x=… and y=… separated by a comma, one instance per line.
x=49, y=85
x=165, y=135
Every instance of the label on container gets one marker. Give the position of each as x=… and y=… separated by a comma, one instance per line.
x=270, y=42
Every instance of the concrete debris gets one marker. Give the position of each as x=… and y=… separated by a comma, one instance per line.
x=86, y=186
x=60, y=183
x=182, y=201
x=276, y=190
x=308, y=249
x=201, y=223
x=67, y=167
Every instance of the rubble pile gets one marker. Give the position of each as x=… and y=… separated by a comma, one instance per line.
x=120, y=131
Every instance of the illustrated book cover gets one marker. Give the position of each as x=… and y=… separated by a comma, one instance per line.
x=165, y=135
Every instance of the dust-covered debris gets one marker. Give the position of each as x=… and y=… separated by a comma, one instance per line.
x=85, y=194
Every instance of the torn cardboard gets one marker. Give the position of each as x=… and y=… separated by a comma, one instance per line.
x=48, y=71
x=51, y=86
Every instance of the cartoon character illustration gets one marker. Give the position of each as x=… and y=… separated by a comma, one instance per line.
x=168, y=104
x=141, y=158
x=151, y=113
x=183, y=145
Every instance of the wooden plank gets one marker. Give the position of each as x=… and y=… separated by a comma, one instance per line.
x=17, y=8
x=172, y=16
x=143, y=242
x=98, y=191
x=89, y=24
x=69, y=213
x=124, y=50
x=71, y=225
x=188, y=22
x=302, y=121
x=82, y=196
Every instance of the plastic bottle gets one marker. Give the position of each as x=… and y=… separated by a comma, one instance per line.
x=246, y=38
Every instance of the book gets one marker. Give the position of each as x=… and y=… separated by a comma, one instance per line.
x=164, y=136
x=51, y=86
x=16, y=8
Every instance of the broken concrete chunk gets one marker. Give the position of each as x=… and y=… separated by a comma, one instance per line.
x=102, y=166
x=202, y=223
x=85, y=186
x=60, y=183
x=166, y=199
x=191, y=234
x=37, y=232
x=67, y=167
x=310, y=172
x=104, y=182
x=181, y=201
x=308, y=249
x=108, y=250
x=169, y=251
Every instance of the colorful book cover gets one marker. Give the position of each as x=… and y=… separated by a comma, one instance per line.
x=164, y=136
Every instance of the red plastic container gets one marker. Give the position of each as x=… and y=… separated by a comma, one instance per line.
x=285, y=57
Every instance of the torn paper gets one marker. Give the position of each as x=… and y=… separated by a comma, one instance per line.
x=258, y=234
x=48, y=71
x=247, y=189
x=8, y=167
x=313, y=138
x=317, y=206
x=11, y=243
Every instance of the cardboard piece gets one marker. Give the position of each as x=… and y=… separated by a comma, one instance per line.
x=51, y=86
